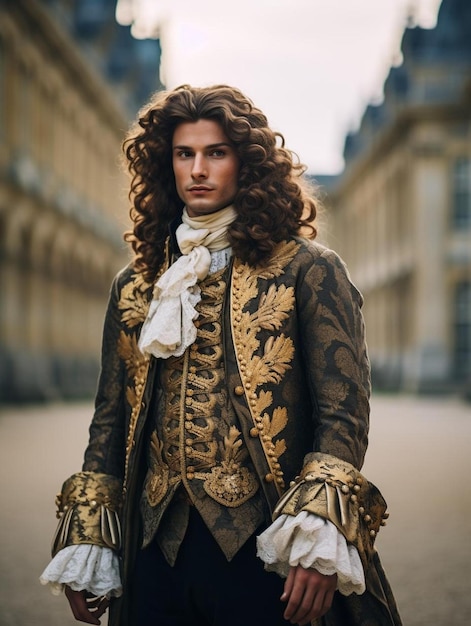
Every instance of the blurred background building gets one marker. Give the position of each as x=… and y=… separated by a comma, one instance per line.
x=71, y=80
x=400, y=212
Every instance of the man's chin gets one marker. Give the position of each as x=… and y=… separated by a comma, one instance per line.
x=197, y=210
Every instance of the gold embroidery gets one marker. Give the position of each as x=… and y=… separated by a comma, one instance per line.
x=158, y=476
x=134, y=397
x=230, y=483
x=199, y=438
x=338, y=492
x=129, y=352
x=271, y=363
x=273, y=427
x=134, y=301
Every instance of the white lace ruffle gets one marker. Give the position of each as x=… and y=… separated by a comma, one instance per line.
x=309, y=540
x=85, y=566
x=168, y=329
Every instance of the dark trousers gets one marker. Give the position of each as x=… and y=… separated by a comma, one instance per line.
x=203, y=588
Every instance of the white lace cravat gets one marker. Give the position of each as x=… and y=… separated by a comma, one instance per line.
x=169, y=329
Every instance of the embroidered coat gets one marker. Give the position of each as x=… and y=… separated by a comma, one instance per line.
x=297, y=372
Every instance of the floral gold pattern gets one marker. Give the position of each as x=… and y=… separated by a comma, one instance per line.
x=337, y=491
x=259, y=365
x=230, y=483
x=88, y=508
x=134, y=303
x=199, y=439
x=157, y=481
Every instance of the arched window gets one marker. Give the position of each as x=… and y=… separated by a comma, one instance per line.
x=462, y=331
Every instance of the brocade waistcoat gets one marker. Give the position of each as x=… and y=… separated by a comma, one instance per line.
x=196, y=453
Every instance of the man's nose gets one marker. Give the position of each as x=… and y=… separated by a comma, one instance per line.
x=199, y=169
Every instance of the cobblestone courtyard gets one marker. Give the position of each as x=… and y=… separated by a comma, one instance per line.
x=419, y=456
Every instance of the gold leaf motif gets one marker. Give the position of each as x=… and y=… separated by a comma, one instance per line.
x=134, y=301
x=274, y=306
x=280, y=447
x=157, y=478
x=263, y=401
x=278, y=421
x=129, y=352
x=282, y=255
x=269, y=365
x=231, y=447
x=276, y=360
x=125, y=350
x=230, y=483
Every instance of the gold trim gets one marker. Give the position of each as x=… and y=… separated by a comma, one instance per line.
x=134, y=397
x=258, y=364
x=88, y=508
x=337, y=491
x=134, y=303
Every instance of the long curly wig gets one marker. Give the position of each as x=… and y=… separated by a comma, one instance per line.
x=272, y=203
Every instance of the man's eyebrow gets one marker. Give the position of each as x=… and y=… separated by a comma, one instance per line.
x=211, y=146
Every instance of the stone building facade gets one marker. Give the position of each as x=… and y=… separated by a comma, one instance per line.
x=400, y=213
x=71, y=79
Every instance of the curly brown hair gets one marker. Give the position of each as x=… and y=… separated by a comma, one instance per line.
x=273, y=202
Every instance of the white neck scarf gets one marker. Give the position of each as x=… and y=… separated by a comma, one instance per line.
x=168, y=329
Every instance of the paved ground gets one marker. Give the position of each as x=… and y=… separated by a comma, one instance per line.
x=419, y=456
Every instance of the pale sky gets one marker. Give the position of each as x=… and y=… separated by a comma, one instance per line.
x=312, y=66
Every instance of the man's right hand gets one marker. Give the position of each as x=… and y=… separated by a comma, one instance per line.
x=85, y=606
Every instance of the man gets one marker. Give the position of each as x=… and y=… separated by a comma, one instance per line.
x=232, y=410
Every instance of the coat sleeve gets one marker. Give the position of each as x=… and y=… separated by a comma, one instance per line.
x=335, y=353
x=333, y=338
x=88, y=506
x=105, y=451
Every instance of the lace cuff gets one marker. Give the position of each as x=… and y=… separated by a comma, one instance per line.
x=336, y=491
x=87, y=508
x=93, y=568
x=312, y=542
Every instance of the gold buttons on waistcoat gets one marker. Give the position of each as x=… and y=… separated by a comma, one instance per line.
x=239, y=390
x=269, y=478
x=254, y=432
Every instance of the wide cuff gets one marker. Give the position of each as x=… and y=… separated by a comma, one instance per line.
x=93, y=568
x=338, y=492
x=312, y=542
x=88, y=509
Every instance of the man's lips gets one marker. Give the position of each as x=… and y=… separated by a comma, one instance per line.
x=199, y=188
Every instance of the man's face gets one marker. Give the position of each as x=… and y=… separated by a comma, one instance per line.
x=205, y=165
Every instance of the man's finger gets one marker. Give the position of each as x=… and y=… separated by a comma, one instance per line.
x=78, y=604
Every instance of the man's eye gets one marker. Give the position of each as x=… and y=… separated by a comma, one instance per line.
x=184, y=154
x=218, y=153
